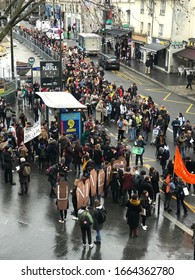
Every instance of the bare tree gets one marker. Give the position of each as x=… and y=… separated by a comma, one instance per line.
x=16, y=11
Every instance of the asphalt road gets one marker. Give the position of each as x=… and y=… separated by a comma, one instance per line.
x=30, y=227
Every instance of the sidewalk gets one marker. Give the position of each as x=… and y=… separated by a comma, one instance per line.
x=171, y=82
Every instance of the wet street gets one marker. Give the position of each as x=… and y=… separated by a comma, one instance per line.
x=29, y=227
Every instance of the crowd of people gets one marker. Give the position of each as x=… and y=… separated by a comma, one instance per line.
x=135, y=118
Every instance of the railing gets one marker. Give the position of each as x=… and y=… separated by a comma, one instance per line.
x=35, y=45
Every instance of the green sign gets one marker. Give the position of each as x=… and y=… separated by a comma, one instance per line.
x=125, y=25
x=31, y=61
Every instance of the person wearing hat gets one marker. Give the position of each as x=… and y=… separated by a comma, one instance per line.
x=23, y=179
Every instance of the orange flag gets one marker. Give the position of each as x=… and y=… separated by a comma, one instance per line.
x=180, y=169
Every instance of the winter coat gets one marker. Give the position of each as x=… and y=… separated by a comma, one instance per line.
x=7, y=160
x=127, y=181
x=147, y=186
x=94, y=214
x=22, y=178
x=133, y=213
x=115, y=183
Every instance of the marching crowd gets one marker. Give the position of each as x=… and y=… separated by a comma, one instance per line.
x=136, y=119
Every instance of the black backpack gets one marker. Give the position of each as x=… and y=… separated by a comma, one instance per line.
x=136, y=181
x=101, y=215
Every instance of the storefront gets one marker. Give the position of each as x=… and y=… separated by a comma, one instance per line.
x=158, y=52
x=186, y=57
x=138, y=41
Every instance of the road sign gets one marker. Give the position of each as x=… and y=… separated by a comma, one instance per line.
x=36, y=68
x=31, y=61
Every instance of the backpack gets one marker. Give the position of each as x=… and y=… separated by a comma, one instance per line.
x=136, y=182
x=101, y=215
x=120, y=124
x=84, y=220
x=26, y=171
x=167, y=154
x=8, y=114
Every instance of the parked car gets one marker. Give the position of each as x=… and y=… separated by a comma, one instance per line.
x=54, y=32
x=108, y=61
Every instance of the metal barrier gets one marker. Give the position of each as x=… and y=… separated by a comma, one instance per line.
x=35, y=46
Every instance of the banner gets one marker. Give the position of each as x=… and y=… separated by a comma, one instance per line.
x=93, y=182
x=32, y=132
x=181, y=170
x=101, y=180
x=62, y=195
x=82, y=193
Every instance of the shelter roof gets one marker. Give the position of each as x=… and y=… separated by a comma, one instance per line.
x=60, y=99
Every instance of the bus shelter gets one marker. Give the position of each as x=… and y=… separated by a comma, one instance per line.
x=69, y=110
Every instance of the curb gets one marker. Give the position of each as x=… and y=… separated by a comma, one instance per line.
x=157, y=82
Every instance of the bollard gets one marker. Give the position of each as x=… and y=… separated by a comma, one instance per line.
x=158, y=204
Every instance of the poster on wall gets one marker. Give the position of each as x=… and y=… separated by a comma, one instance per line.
x=71, y=123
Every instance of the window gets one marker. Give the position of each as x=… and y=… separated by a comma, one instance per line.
x=162, y=7
x=142, y=7
x=149, y=29
x=141, y=27
x=161, y=27
x=150, y=7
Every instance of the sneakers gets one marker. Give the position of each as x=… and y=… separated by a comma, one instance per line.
x=144, y=227
x=84, y=246
x=61, y=221
x=90, y=246
x=75, y=218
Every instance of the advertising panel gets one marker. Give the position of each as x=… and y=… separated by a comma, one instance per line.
x=71, y=123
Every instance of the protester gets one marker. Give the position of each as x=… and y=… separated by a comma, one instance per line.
x=85, y=221
x=24, y=171
x=133, y=215
x=179, y=192
x=99, y=216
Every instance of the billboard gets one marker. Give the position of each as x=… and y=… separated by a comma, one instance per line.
x=50, y=74
x=71, y=123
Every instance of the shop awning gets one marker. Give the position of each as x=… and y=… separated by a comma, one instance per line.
x=186, y=54
x=119, y=32
x=154, y=47
x=60, y=99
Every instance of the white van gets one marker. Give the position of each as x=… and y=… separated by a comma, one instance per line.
x=89, y=42
x=54, y=33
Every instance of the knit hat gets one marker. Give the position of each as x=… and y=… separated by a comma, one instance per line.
x=22, y=159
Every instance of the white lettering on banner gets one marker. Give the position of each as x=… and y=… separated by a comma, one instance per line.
x=49, y=66
x=32, y=132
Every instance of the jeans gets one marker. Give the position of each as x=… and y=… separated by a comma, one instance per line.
x=132, y=133
x=98, y=235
